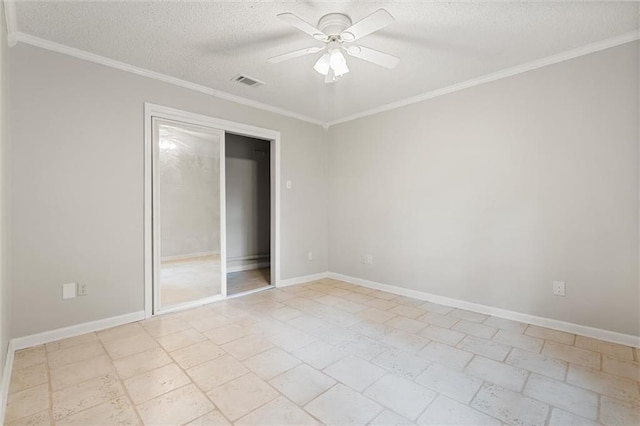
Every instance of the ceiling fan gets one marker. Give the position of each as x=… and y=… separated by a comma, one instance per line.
x=337, y=32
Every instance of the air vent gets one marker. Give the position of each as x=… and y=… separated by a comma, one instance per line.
x=247, y=81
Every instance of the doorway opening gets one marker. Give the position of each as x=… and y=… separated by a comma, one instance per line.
x=248, y=213
x=186, y=209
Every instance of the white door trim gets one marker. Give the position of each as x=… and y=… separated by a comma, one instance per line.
x=163, y=112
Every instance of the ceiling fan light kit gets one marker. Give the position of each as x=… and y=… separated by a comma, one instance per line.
x=335, y=29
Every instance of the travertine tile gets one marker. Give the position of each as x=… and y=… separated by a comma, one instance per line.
x=71, y=374
x=377, y=315
x=302, y=383
x=616, y=412
x=122, y=332
x=75, y=354
x=372, y=329
x=450, y=382
x=407, y=311
x=209, y=322
x=212, y=418
x=440, y=320
x=286, y=313
x=402, y=364
x=280, y=411
x=117, y=411
x=549, y=334
x=510, y=407
x=85, y=395
x=437, y=308
x=572, y=354
x=537, y=363
x=27, y=402
x=442, y=335
x=28, y=377
x=355, y=372
x=164, y=325
x=71, y=341
x=319, y=354
x=446, y=411
x=383, y=295
x=381, y=304
x=392, y=391
x=271, y=363
x=176, y=407
x=387, y=418
x=407, y=324
x=246, y=347
x=562, y=418
x=341, y=405
x=446, y=355
x=216, y=372
x=505, y=324
x=620, y=367
x=141, y=362
x=603, y=383
x=497, y=373
x=475, y=329
x=28, y=357
x=486, y=348
x=364, y=347
x=518, y=340
x=43, y=418
x=241, y=396
x=178, y=340
x=130, y=345
x=291, y=340
x=407, y=342
x=155, y=382
x=468, y=315
x=570, y=398
x=200, y=352
x=618, y=351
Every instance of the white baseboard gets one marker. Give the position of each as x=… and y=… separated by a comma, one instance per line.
x=74, y=330
x=301, y=280
x=188, y=256
x=248, y=266
x=596, y=333
x=6, y=380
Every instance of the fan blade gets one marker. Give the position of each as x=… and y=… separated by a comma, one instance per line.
x=294, y=54
x=303, y=26
x=373, y=56
x=377, y=20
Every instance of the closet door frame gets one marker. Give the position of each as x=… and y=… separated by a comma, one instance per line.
x=152, y=111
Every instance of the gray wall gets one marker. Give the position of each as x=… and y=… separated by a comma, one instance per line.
x=247, y=198
x=77, y=185
x=491, y=193
x=189, y=199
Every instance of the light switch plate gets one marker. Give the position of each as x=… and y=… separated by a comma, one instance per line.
x=69, y=291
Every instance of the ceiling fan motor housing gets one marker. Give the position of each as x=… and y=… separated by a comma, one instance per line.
x=333, y=24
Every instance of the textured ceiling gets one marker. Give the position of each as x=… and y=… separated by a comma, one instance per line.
x=439, y=43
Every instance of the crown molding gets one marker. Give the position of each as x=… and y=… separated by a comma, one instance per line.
x=91, y=57
x=15, y=36
x=507, y=72
x=11, y=20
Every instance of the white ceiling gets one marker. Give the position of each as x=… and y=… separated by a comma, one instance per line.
x=439, y=43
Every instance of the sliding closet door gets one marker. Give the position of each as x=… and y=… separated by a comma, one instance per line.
x=188, y=214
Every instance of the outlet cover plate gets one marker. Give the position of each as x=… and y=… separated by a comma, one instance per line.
x=558, y=288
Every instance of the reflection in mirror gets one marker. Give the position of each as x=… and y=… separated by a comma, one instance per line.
x=189, y=213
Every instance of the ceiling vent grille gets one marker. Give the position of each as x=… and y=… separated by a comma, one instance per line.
x=247, y=81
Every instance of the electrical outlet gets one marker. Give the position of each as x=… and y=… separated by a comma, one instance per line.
x=83, y=289
x=558, y=288
x=310, y=256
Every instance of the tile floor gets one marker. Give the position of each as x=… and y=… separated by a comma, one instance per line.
x=326, y=352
